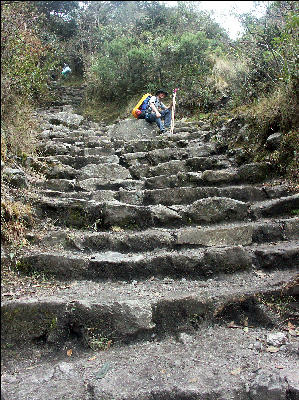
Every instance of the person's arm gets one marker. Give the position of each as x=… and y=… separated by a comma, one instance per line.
x=154, y=108
x=164, y=107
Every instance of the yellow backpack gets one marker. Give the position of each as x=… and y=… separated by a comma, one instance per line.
x=140, y=108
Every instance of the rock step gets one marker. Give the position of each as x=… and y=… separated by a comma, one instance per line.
x=247, y=173
x=63, y=134
x=167, y=197
x=107, y=171
x=53, y=135
x=171, y=174
x=236, y=234
x=226, y=176
x=156, y=150
x=138, y=170
x=66, y=133
x=240, y=366
x=71, y=147
x=154, y=157
x=130, y=129
x=191, y=262
x=89, y=185
x=102, y=141
x=124, y=312
x=173, y=167
x=104, y=215
x=79, y=162
x=180, y=140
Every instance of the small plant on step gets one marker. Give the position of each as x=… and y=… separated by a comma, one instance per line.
x=97, y=341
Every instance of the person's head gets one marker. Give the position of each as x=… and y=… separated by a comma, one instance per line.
x=161, y=93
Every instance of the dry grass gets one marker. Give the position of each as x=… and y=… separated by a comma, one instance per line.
x=226, y=72
x=109, y=112
x=16, y=217
x=18, y=130
x=276, y=111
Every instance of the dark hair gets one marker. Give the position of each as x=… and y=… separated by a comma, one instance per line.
x=161, y=91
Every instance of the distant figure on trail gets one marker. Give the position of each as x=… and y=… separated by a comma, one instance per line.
x=53, y=75
x=157, y=111
x=66, y=70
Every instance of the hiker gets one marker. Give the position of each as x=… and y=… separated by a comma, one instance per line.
x=157, y=111
x=66, y=70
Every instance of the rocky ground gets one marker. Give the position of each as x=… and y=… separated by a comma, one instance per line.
x=160, y=267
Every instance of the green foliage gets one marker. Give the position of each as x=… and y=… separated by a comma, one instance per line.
x=63, y=8
x=285, y=46
x=25, y=64
x=126, y=64
x=59, y=17
x=26, y=59
x=269, y=48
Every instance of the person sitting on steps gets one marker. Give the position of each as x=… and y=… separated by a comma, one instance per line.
x=157, y=111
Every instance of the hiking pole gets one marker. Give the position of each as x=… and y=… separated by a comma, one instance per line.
x=172, y=111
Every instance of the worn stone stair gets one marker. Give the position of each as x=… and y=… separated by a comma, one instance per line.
x=171, y=269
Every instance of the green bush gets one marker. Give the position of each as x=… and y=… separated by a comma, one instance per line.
x=25, y=64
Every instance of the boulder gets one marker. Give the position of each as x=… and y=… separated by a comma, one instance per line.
x=130, y=129
x=220, y=176
x=254, y=172
x=107, y=172
x=66, y=118
x=164, y=215
x=273, y=141
x=277, y=338
x=215, y=209
x=15, y=177
x=268, y=385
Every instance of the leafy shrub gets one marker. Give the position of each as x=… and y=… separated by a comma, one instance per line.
x=25, y=64
x=119, y=70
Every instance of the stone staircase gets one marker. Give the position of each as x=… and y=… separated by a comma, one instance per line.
x=175, y=270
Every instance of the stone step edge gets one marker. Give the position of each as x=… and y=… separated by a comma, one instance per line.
x=142, y=192
x=152, y=313
x=80, y=213
x=193, y=263
x=219, y=235
x=179, y=369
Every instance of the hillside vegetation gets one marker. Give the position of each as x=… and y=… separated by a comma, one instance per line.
x=119, y=50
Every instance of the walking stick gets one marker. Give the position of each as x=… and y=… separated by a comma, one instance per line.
x=172, y=111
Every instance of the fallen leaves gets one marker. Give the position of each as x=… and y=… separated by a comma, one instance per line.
x=272, y=349
x=236, y=371
x=292, y=329
x=233, y=325
x=69, y=352
x=245, y=326
x=116, y=229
